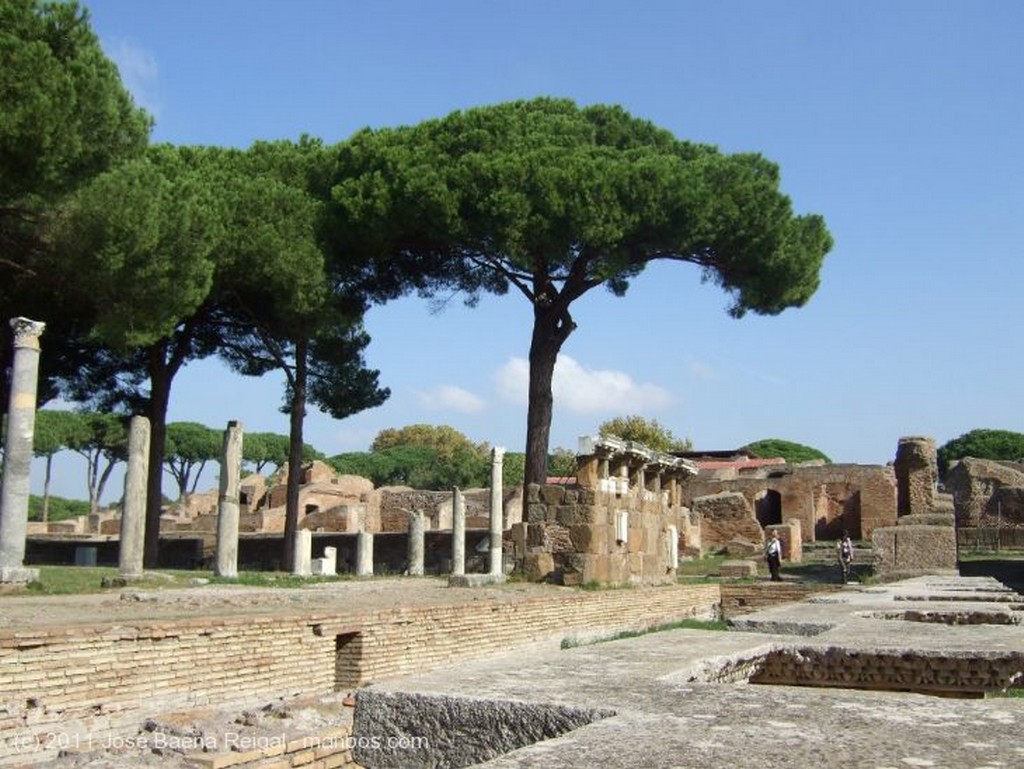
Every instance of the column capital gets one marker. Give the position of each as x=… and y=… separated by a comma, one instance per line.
x=498, y=453
x=27, y=332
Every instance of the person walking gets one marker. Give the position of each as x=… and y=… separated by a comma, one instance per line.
x=844, y=551
x=773, y=555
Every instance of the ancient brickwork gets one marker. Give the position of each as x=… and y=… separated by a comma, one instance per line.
x=724, y=517
x=986, y=492
x=917, y=473
x=620, y=523
x=826, y=499
x=745, y=598
x=91, y=680
x=889, y=670
x=587, y=536
x=915, y=548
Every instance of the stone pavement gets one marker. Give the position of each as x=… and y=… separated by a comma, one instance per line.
x=649, y=704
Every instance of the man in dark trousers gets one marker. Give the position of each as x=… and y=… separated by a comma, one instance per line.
x=773, y=554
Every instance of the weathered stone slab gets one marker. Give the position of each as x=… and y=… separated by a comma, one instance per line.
x=738, y=569
x=475, y=580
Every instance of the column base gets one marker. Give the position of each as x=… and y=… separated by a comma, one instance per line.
x=18, y=574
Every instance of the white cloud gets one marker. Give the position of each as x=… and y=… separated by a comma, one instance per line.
x=451, y=398
x=581, y=390
x=139, y=73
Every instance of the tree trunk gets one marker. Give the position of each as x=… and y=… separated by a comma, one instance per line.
x=162, y=369
x=552, y=325
x=46, y=488
x=92, y=474
x=296, y=417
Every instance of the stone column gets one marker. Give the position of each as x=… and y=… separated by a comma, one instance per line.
x=133, y=513
x=228, y=503
x=303, y=554
x=416, y=544
x=458, y=533
x=364, y=554
x=497, y=460
x=21, y=421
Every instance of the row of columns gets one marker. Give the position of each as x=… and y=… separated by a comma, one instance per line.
x=14, y=494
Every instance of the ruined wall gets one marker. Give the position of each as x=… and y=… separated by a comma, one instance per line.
x=917, y=473
x=825, y=498
x=574, y=535
x=745, y=597
x=986, y=492
x=920, y=544
x=100, y=679
x=724, y=517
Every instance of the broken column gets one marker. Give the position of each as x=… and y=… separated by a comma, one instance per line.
x=497, y=459
x=133, y=512
x=364, y=554
x=228, y=502
x=917, y=473
x=416, y=544
x=21, y=419
x=303, y=553
x=458, y=533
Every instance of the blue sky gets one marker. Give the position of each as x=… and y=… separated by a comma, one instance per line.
x=897, y=120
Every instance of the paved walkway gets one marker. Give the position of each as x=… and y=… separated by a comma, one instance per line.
x=663, y=718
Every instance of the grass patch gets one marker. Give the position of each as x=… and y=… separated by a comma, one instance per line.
x=701, y=567
x=271, y=579
x=1014, y=692
x=690, y=624
x=81, y=580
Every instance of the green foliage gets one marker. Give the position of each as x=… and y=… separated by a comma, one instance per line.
x=688, y=624
x=141, y=239
x=553, y=200
x=64, y=113
x=649, y=432
x=59, y=508
x=982, y=444
x=562, y=463
x=189, y=446
x=418, y=466
x=55, y=431
x=793, y=453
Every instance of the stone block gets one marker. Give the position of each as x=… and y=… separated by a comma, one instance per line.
x=572, y=515
x=519, y=538
x=589, y=539
x=596, y=568
x=925, y=548
x=535, y=535
x=552, y=495
x=618, y=572
x=587, y=472
x=738, y=569
x=883, y=541
x=538, y=566
x=536, y=513
x=475, y=580
x=635, y=567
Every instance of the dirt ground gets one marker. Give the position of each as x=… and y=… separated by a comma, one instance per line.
x=23, y=610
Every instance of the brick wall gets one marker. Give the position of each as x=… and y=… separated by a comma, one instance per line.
x=94, y=680
x=740, y=598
